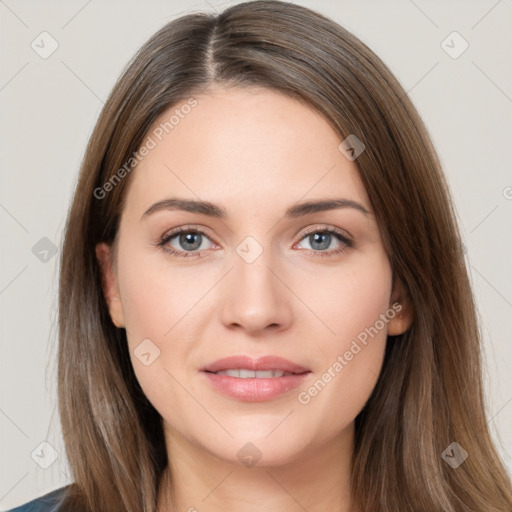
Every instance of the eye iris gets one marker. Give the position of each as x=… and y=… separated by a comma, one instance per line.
x=322, y=238
x=191, y=238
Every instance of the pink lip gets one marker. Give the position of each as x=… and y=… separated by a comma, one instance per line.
x=262, y=363
x=255, y=389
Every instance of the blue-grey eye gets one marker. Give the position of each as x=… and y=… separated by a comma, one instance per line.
x=320, y=240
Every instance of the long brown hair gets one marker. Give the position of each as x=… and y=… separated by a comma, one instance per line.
x=429, y=394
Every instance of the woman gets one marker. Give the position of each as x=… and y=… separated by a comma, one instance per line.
x=318, y=349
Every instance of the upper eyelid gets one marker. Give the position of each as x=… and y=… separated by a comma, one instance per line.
x=320, y=227
x=185, y=229
x=305, y=232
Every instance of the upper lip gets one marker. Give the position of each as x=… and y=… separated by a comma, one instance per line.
x=255, y=364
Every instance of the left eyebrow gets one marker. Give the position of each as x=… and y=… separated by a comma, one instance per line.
x=212, y=210
x=320, y=206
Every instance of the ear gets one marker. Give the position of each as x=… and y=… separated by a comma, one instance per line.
x=109, y=283
x=404, y=317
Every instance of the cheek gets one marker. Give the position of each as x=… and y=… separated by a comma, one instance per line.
x=164, y=315
x=349, y=299
x=146, y=303
x=155, y=345
x=153, y=296
x=147, y=300
x=349, y=361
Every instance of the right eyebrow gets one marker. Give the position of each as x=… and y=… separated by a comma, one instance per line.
x=187, y=205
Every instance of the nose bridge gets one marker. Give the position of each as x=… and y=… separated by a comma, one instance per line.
x=254, y=297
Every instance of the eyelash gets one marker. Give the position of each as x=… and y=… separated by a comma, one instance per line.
x=339, y=234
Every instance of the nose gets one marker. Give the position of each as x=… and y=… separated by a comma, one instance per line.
x=254, y=296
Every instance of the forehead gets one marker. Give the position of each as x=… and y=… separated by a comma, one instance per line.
x=244, y=147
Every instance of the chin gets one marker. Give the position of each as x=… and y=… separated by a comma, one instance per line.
x=257, y=449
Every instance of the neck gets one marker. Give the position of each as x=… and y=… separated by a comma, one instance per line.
x=317, y=480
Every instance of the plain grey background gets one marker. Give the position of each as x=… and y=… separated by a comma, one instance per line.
x=49, y=104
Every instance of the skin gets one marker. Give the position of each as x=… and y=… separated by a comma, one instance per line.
x=254, y=152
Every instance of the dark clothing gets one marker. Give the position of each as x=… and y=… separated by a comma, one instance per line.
x=46, y=503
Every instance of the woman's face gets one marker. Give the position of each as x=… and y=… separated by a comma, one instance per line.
x=313, y=286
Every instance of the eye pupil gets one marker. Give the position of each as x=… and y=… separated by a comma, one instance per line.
x=322, y=238
x=191, y=238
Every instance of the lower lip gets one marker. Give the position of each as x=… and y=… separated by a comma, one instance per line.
x=253, y=389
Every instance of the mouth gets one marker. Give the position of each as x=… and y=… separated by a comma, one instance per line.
x=254, y=374
x=243, y=364
x=254, y=380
